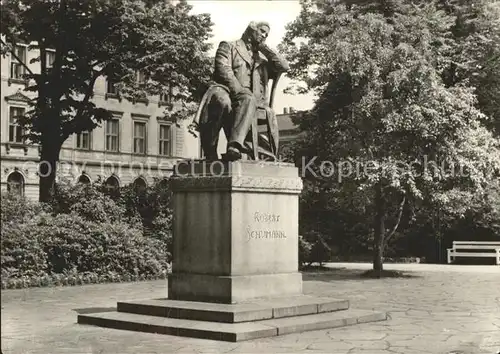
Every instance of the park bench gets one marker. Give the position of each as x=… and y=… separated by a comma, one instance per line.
x=475, y=249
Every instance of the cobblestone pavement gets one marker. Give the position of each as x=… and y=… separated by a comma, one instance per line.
x=443, y=309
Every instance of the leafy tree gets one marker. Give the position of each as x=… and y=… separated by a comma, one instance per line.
x=116, y=39
x=386, y=122
x=151, y=203
x=476, y=56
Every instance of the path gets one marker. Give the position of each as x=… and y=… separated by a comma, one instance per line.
x=443, y=309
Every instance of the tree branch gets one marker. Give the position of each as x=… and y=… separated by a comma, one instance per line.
x=88, y=94
x=400, y=213
x=12, y=52
x=86, y=99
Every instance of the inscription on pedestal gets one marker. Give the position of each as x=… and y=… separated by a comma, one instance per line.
x=270, y=231
x=266, y=217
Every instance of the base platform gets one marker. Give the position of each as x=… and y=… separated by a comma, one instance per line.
x=232, y=322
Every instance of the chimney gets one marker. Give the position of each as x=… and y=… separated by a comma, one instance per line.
x=291, y=109
x=285, y=110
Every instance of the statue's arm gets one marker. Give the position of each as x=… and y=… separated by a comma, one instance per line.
x=224, y=69
x=277, y=64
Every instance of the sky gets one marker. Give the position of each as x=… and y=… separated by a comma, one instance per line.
x=231, y=17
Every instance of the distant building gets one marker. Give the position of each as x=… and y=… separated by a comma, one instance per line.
x=135, y=147
x=289, y=131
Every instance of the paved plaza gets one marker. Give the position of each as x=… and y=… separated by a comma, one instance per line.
x=440, y=309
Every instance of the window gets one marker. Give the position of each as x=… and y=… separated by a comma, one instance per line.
x=112, y=185
x=140, y=184
x=140, y=76
x=83, y=179
x=16, y=68
x=140, y=137
x=111, y=87
x=165, y=140
x=15, y=130
x=164, y=185
x=112, y=135
x=83, y=140
x=166, y=96
x=15, y=183
x=49, y=58
x=141, y=79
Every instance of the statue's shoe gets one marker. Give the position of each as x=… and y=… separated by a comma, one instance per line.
x=232, y=154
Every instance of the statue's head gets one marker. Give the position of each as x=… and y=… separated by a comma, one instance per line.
x=256, y=32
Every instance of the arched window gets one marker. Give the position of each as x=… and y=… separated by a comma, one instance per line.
x=15, y=183
x=164, y=184
x=84, y=179
x=112, y=184
x=140, y=184
x=164, y=192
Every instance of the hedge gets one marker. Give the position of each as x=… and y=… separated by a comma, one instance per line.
x=83, y=241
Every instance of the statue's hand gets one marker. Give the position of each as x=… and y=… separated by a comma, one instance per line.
x=264, y=48
x=241, y=92
x=245, y=91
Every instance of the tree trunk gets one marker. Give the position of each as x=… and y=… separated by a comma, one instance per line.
x=379, y=229
x=47, y=170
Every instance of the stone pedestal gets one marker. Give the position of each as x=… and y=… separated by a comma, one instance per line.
x=235, y=231
x=235, y=261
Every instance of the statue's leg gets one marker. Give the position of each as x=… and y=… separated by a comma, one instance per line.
x=218, y=111
x=244, y=109
x=268, y=140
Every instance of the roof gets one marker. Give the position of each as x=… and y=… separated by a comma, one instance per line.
x=284, y=123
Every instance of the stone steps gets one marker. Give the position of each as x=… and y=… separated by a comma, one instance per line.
x=235, y=313
x=232, y=322
x=232, y=332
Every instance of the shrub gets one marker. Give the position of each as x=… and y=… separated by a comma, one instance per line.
x=72, y=242
x=19, y=209
x=21, y=254
x=65, y=195
x=84, y=235
x=151, y=203
x=161, y=229
x=88, y=201
x=313, y=249
x=100, y=209
x=50, y=247
x=321, y=251
x=304, y=251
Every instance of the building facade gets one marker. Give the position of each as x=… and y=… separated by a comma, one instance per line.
x=288, y=130
x=136, y=146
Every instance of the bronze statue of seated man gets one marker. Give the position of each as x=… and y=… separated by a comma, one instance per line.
x=238, y=95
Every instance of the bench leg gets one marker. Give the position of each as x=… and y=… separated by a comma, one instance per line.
x=449, y=257
x=498, y=257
